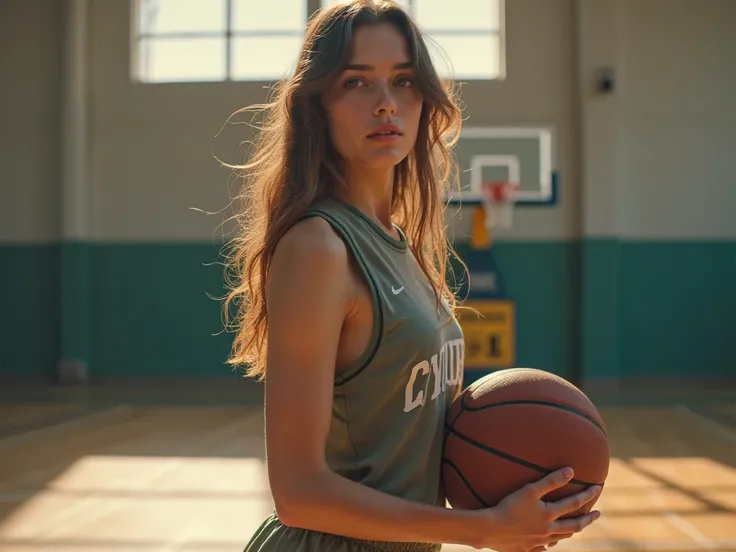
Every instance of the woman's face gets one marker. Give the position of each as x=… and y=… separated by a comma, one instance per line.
x=373, y=107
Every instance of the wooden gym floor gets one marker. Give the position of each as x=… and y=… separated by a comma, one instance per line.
x=130, y=470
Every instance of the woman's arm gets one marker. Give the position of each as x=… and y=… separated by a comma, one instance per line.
x=308, y=296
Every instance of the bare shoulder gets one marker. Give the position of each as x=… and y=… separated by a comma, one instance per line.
x=312, y=236
x=311, y=258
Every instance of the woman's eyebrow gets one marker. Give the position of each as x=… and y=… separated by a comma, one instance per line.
x=363, y=67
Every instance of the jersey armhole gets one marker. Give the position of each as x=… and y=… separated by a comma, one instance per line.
x=365, y=358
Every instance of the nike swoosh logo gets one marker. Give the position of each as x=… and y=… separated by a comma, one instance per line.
x=396, y=291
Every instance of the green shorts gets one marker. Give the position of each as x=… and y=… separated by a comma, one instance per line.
x=274, y=536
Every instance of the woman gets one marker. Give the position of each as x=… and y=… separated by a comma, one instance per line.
x=341, y=265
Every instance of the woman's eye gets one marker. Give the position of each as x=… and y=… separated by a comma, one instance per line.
x=405, y=82
x=352, y=83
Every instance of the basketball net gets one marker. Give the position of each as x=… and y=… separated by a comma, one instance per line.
x=495, y=210
x=498, y=203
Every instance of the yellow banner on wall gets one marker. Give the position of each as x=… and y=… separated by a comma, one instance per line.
x=490, y=334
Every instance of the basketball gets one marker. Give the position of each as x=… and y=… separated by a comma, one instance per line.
x=515, y=426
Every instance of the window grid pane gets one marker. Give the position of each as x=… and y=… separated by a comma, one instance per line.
x=182, y=60
x=175, y=16
x=264, y=15
x=181, y=42
x=464, y=56
x=406, y=4
x=465, y=39
x=462, y=32
x=191, y=45
x=264, y=58
x=479, y=15
x=183, y=35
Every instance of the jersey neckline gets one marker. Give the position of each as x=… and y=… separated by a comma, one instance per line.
x=401, y=243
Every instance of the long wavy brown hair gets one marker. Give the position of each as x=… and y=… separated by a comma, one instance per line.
x=293, y=164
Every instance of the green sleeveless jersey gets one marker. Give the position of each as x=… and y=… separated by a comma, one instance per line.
x=389, y=407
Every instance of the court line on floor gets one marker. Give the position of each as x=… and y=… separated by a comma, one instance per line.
x=622, y=545
x=722, y=430
x=99, y=545
x=134, y=494
x=76, y=422
x=682, y=525
x=676, y=520
x=689, y=529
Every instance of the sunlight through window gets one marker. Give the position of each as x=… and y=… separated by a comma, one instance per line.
x=242, y=40
x=217, y=40
x=465, y=36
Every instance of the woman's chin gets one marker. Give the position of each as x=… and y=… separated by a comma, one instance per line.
x=385, y=158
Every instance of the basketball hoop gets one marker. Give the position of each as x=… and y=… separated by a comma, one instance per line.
x=498, y=203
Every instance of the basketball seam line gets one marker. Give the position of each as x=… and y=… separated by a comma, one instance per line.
x=466, y=483
x=452, y=425
x=516, y=460
x=466, y=406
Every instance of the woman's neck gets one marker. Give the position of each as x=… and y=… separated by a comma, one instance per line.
x=371, y=191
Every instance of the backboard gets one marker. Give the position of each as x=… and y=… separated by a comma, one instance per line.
x=521, y=154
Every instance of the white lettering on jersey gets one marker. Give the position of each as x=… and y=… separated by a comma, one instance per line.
x=446, y=370
x=410, y=401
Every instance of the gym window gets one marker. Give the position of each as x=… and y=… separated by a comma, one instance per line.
x=259, y=40
x=216, y=40
x=469, y=34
